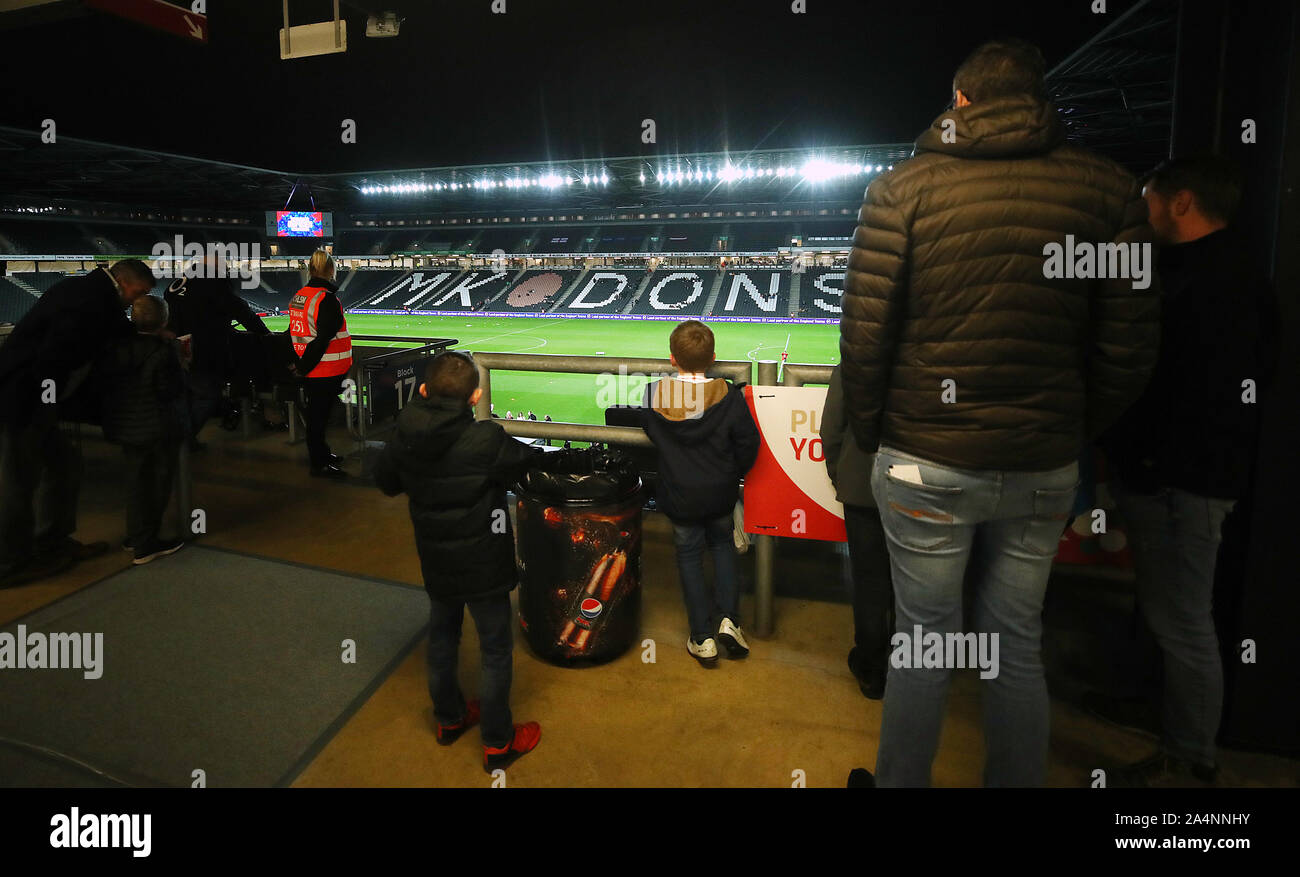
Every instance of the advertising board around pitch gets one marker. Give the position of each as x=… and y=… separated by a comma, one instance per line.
x=788, y=492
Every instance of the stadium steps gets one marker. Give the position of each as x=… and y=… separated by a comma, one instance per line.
x=343, y=287
x=796, y=282
x=640, y=291
x=24, y=286
x=570, y=292
x=713, y=295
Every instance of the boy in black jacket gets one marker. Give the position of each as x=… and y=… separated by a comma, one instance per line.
x=146, y=412
x=707, y=441
x=455, y=471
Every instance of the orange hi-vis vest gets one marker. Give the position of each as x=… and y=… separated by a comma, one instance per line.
x=303, y=309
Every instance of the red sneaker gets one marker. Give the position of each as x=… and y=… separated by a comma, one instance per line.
x=527, y=736
x=449, y=734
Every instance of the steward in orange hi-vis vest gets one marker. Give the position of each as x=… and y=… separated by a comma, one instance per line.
x=304, y=308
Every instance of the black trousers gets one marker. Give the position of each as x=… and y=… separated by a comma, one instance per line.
x=149, y=472
x=205, y=397
x=321, y=394
x=873, y=585
x=40, y=477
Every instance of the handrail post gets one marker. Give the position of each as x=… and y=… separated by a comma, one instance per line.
x=764, y=545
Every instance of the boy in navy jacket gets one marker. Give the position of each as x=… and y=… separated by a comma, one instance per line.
x=707, y=441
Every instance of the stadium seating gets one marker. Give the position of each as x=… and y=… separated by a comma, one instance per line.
x=14, y=301
x=536, y=290
x=41, y=280
x=365, y=284
x=508, y=240
x=564, y=240
x=622, y=239
x=676, y=291
x=604, y=291
x=687, y=239
x=759, y=237
x=754, y=293
x=821, y=290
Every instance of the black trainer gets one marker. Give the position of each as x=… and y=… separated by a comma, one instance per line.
x=156, y=549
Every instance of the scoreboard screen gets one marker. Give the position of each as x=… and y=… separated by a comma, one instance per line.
x=299, y=224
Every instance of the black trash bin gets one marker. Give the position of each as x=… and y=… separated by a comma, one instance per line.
x=579, y=536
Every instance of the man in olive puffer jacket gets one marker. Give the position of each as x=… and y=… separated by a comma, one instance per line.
x=979, y=361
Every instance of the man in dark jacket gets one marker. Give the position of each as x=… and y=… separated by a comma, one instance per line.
x=1183, y=453
x=998, y=311
x=455, y=472
x=146, y=414
x=707, y=441
x=849, y=468
x=43, y=362
x=204, y=307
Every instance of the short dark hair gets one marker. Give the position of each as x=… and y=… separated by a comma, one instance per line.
x=133, y=269
x=1214, y=181
x=1000, y=68
x=691, y=344
x=451, y=375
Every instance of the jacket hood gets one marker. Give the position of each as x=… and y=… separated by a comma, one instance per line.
x=433, y=424
x=1003, y=127
x=696, y=428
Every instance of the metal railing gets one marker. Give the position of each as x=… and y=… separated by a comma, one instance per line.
x=735, y=370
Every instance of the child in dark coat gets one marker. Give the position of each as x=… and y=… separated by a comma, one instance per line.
x=707, y=441
x=455, y=471
x=146, y=413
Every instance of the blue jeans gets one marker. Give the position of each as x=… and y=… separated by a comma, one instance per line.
x=706, y=610
x=1018, y=518
x=493, y=619
x=1175, y=538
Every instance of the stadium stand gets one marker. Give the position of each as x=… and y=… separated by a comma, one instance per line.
x=821, y=292
x=687, y=239
x=674, y=291
x=564, y=240
x=623, y=239
x=365, y=284
x=14, y=301
x=604, y=291
x=507, y=240
x=39, y=280
x=759, y=237
x=754, y=293
x=536, y=290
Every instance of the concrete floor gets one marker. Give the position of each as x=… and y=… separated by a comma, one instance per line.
x=791, y=709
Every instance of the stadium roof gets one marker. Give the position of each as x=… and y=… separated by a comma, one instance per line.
x=1115, y=93
x=75, y=170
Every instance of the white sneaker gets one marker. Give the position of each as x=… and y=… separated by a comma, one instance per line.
x=706, y=652
x=733, y=639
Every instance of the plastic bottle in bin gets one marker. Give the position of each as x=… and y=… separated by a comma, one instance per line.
x=579, y=536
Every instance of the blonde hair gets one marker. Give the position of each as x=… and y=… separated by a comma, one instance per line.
x=148, y=313
x=321, y=265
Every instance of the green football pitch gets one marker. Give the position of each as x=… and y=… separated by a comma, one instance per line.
x=582, y=398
